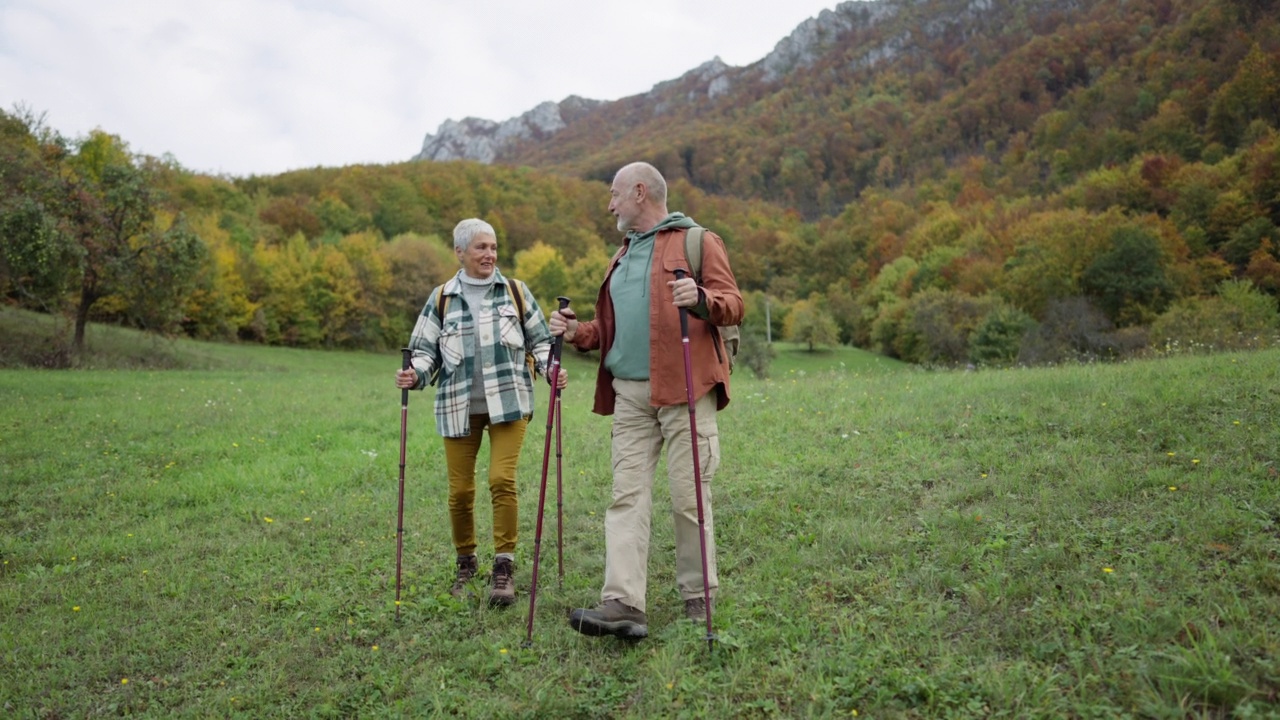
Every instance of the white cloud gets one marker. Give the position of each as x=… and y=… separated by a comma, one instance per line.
x=264, y=86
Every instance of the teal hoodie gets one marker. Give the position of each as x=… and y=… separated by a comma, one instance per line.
x=629, y=288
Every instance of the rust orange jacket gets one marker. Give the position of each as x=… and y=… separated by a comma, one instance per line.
x=710, y=365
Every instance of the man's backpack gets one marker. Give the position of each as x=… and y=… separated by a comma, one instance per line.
x=729, y=335
x=513, y=285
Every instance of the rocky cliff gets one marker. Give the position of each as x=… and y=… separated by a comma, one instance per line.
x=485, y=140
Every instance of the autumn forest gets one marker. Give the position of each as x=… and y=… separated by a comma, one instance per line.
x=980, y=182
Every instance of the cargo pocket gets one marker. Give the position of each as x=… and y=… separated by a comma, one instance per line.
x=708, y=453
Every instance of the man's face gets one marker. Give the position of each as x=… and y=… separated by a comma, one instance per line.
x=480, y=257
x=623, y=202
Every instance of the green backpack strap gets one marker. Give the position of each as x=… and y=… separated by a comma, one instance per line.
x=693, y=251
x=726, y=336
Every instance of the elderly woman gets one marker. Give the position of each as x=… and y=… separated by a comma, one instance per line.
x=476, y=340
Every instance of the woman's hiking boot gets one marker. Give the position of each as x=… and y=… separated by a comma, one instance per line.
x=467, y=568
x=502, y=583
x=611, y=617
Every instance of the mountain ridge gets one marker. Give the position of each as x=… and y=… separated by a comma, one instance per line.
x=485, y=140
x=867, y=93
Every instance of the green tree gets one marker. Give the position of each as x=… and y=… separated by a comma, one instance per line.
x=1129, y=282
x=811, y=324
x=37, y=256
x=997, y=338
x=416, y=264
x=844, y=310
x=112, y=209
x=934, y=326
x=1254, y=93
x=887, y=289
x=158, y=283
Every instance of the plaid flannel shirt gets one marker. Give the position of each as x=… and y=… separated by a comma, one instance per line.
x=487, y=343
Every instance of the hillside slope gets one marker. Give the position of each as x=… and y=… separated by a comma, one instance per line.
x=888, y=93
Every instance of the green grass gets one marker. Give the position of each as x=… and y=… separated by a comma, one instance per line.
x=791, y=359
x=1093, y=541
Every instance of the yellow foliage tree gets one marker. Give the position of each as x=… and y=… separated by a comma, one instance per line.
x=219, y=307
x=544, y=271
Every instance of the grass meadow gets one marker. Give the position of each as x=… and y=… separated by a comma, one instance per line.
x=195, y=530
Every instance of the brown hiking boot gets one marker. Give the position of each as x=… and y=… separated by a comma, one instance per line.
x=611, y=617
x=696, y=609
x=502, y=583
x=467, y=568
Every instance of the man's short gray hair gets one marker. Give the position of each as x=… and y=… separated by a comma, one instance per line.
x=467, y=230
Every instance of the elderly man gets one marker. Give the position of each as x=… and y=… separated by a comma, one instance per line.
x=641, y=383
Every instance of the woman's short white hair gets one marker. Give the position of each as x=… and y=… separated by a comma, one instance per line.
x=467, y=230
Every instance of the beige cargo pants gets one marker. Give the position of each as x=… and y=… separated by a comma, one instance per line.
x=639, y=433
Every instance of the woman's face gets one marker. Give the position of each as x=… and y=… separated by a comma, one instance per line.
x=480, y=257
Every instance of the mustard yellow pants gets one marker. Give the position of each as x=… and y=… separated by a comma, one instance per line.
x=505, y=440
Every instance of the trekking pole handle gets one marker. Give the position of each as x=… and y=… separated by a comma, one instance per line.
x=406, y=355
x=684, y=312
x=564, y=305
x=557, y=346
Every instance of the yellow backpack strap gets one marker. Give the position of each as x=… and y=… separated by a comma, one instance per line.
x=440, y=302
x=514, y=285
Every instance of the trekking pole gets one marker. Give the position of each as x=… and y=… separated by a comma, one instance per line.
x=554, y=375
x=697, y=466
x=559, y=499
x=404, y=425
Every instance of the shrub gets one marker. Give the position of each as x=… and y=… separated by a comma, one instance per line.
x=998, y=337
x=754, y=353
x=1239, y=317
x=934, y=326
x=885, y=328
x=1072, y=329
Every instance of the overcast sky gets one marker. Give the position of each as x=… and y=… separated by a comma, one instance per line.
x=242, y=87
